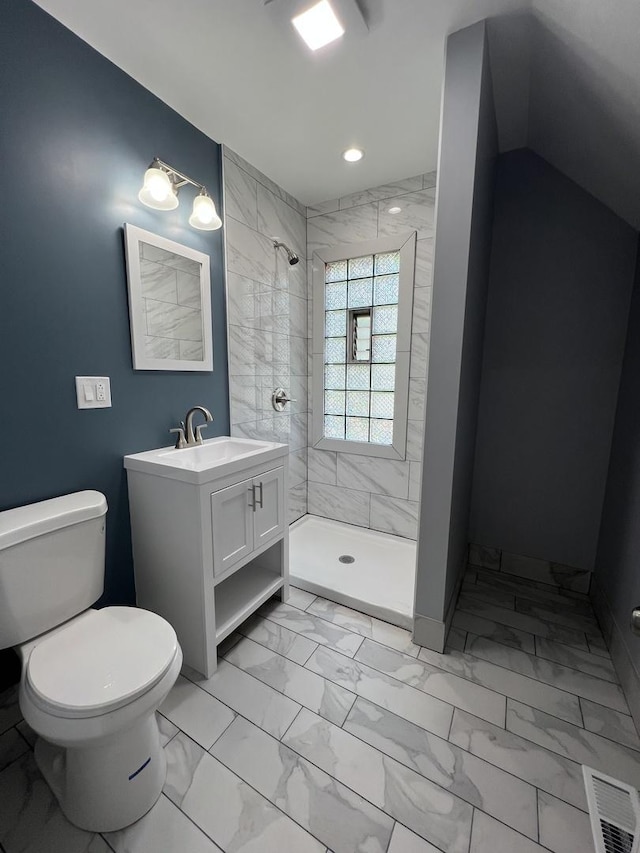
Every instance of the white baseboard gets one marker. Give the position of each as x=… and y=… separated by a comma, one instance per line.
x=432, y=633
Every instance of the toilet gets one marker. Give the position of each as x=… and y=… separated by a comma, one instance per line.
x=91, y=679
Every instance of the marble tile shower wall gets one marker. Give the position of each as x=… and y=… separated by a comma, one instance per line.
x=267, y=315
x=381, y=494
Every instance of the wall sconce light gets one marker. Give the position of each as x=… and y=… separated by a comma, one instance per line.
x=160, y=191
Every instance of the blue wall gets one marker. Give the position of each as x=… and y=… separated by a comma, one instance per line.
x=77, y=135
x=562, y=267
x=618, y=556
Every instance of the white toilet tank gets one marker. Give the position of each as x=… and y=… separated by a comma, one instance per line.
x=51, y=563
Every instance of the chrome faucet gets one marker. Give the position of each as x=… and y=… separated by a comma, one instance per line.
x=186, y=436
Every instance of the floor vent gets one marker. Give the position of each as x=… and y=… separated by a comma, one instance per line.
x=615, y=813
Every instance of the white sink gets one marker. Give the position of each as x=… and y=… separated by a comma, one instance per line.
x=215, y=457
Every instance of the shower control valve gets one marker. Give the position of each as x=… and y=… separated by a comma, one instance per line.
x=279, y=399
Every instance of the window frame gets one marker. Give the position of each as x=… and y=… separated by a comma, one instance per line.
x=406, y=245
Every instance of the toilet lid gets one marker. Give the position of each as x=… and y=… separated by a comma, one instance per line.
x=101, y=661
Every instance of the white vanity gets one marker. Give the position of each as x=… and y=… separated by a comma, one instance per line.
x=210, y=536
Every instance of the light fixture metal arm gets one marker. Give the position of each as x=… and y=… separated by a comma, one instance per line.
x=184, y=179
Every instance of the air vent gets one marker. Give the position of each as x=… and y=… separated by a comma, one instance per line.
x=615, y=813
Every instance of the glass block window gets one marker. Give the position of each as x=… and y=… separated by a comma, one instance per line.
x=360, y=337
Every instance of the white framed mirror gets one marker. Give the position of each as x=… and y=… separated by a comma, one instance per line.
x=169, y=303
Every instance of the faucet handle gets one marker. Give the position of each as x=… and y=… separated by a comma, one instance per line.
x=199, y=429
x=180, y=441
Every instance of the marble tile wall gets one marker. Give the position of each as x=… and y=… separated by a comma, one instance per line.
x=365, y=490
x=267, y=310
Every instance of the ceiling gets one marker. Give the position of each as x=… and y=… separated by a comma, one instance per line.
x=566, y=75
x=243, y=76
x=567, y=85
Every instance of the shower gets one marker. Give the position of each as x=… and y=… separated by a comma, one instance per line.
x=293, y=258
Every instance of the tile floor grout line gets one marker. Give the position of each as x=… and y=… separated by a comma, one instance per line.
x=524, y=584
x=504, y=695
x=446, y=672
x=188, y=817
x=544, y=749
x=483, y=591
x=494, y=618
x=224, y=730
x=473, y=817
x=304, y=665
x=295, y=663
x=587, y=650
x=299, y=634
x=355, y=699
x=575, y=669
x=530, y=677
x=102, y=835
x=353, y=610
x=313, y=615
x=284, y=733
x=244, y=782
x=348, y=630
x=479, y=684
x=522, y=589
x=178, y=729
x=446, y=741
x=538, y=657
x=334, y=778
x=579, y=729
x=383, y=755
x=540, y=605
x=17, y=757
x=233, y=710
x=600, y=705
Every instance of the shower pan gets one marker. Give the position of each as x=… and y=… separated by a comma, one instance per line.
x=363, y=569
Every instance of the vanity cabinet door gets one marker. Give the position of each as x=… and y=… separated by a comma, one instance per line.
x=268, y=521
x=232, y=525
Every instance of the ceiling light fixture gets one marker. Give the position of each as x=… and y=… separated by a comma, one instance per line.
x=394, y=210
x=160, y=191
x=318, y=25
x=352, y=155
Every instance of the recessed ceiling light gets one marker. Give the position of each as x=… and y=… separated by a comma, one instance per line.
x=395, y=210
x=352, y=155
x=318, y=25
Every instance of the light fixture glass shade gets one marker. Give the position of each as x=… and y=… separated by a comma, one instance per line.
x=158, y=191
x=318, y=25
x=204, y=215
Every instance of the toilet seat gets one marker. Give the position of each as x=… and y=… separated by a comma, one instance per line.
x=100, y=661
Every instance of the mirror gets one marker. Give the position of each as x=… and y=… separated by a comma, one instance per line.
x=169, y=303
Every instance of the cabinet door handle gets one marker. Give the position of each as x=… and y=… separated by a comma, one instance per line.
x=252, y=490
x=259, y=502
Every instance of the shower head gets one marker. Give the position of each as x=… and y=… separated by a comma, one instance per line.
x=293, y=258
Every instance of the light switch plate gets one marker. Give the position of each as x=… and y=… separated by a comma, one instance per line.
x=93, y=392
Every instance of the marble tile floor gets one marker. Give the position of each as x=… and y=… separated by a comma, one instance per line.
x=328, y=730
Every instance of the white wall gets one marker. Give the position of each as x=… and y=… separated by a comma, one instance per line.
x=468, y=147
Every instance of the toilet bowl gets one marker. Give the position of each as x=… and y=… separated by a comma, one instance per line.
x=91, y=680
x=90, y=691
